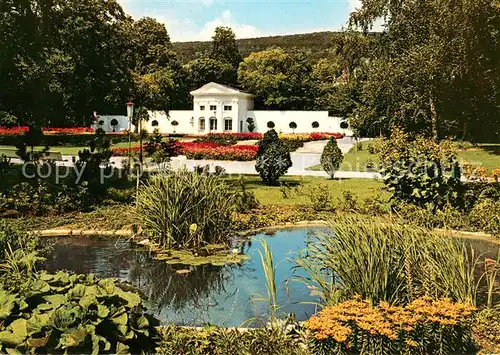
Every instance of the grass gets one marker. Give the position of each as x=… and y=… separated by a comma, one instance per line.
x=272, y=195
x=487, y=155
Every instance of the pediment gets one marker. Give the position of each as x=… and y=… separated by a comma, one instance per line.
x=218, y=89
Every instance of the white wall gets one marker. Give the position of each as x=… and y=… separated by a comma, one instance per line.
x=184, y=118
x=303, y=119
x=122, y=123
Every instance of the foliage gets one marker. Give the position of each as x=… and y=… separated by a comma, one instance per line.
x=90, y=161
x=415, y=171
x=13, y=236
x=185, y=210
x=422, y=327
x=80, y=313
x=224, y=47
x=273, y=158
x=245, y=200
x=26, y=146
x=486, y=328
x=485, y=216
x=204, y=70
x=218, y=340
x=45, y=47
x=383, y=261
x=161, y=150
x=251, y=124
x=433, y=73
x=280, y=80
x=320, y=197
x=331, y=158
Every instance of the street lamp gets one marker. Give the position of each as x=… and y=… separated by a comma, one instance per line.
x=130, y=115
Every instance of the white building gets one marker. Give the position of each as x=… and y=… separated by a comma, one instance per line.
x=220, y=108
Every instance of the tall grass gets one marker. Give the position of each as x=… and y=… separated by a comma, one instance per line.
x=384, y=261
x=185, y=210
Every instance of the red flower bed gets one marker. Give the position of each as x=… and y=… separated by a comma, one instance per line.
x=71, y=130
x=14, y=131
x=235, y=152
x=211, y=151
x=123, y=152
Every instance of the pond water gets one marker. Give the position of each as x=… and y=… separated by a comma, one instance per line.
x=208, y=294
x=222, y=295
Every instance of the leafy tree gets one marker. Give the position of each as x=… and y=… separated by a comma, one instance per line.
x=434, y=74
x=280, y=80
x=224, y=47
x=202, y=71
x=332, y=157
x=293, y=125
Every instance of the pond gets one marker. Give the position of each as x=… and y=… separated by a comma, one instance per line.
x=222, y=295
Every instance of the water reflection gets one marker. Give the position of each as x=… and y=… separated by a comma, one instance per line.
x=206, y=294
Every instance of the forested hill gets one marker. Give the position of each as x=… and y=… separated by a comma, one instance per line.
x=317, y=43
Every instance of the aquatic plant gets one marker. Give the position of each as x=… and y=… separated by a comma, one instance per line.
x=384, y=261
x=72, y=313
x=185, y=210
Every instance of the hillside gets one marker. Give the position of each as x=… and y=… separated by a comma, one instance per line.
x=317, y=43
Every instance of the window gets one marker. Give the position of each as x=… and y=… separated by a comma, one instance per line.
x=228, y=124
x=228, y=108
x=213, y=108
x=213, y=124
x=201, y=127
x=154, y=123
x=202, y=108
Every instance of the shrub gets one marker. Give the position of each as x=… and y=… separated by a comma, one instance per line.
x=73, y=313
x=218, y=340
x=293, y=125
x=422, y=327
x=486, y=328
x=332, y=157
x=14, y=236
x=245, y=200
x=251, y=124
x=185, y=210
x=485, y=216
x=420, y=171
x=270, y=125
x=383, y=261
x=315, y=124
x=160, y=150
x=274, y=162
x=320, y=197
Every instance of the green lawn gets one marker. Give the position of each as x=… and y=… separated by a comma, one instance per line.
x=487, y=155
x=63, y=150
x=272, y=195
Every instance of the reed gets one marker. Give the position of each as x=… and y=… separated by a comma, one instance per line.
x=185, y=210
x=384, y=261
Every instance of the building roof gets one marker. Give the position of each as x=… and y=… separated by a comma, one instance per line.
x=219, y=89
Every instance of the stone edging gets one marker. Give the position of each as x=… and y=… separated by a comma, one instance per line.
x=129, y=234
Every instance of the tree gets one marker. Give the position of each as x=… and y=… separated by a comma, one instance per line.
x=224, y=47
x=273, y=158
x=434, y=74
x=202, y=71
x=251, y=124
x=114, y=123
x=315, y=125
x=332, y=157
x=55, y=68
x=280, y=80
x=293, y=126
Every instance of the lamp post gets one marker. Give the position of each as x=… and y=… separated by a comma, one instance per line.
x=130, y=115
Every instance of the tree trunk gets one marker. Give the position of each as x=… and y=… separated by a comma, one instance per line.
x=434, y=119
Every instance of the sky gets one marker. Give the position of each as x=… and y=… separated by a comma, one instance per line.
x=196, y=20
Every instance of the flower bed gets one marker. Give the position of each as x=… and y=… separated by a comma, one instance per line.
x=70, y=130
x=309, y=137
x=13, y=131
x=418, y=328
x=235, y=152
x=211, y=151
